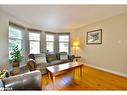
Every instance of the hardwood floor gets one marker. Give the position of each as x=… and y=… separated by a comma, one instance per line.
x=92, y=79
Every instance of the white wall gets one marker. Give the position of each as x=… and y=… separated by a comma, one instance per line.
x=112, y=53
x=3, y=40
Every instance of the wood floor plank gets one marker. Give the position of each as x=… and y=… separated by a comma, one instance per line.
x=92, y=79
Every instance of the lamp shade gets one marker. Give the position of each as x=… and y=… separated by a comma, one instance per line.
x=75, y=44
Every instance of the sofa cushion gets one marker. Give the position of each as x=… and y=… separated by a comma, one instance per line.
x=42, y=65
x=40, y=59
x=54, y=62
x=65, y=60
x=51, y=57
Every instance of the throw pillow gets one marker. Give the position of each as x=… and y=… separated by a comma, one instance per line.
x=40, y=59
x=51, y=57
x=63, y=55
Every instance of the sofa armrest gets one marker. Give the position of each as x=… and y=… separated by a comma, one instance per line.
x=71, y=57
x=26, y=81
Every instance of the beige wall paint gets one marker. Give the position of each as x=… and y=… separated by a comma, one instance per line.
x=112, y=53
x=30, y=25
x=3, y=40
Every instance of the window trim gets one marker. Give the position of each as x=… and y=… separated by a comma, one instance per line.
x=16, y=25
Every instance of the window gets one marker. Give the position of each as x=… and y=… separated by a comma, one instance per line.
x=64, y=43
x=50, y=42
x=34, y=43
x=15, y=38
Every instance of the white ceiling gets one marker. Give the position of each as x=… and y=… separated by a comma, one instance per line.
x=63, y=16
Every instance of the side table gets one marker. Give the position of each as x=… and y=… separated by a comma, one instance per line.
x=77, y=57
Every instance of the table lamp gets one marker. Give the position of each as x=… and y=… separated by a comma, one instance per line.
x=76, y=47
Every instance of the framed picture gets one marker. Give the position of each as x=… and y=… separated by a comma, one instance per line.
x=94, y=37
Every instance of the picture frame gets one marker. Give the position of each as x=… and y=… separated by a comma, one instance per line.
x=94, y=37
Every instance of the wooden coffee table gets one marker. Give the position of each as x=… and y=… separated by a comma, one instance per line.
x=59, y=69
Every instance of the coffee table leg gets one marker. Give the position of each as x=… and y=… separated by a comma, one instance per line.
x=49, y=75
x=54, y=79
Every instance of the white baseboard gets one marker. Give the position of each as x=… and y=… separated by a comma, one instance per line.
x=107, y=70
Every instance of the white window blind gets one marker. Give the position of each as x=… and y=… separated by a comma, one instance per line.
x=50, y=42
x=64, y=43
x=34, y=43
x=15, y=38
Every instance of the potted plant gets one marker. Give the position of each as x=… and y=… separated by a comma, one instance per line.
x=16, y=56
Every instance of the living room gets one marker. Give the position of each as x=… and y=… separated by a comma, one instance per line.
x=92, y=36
